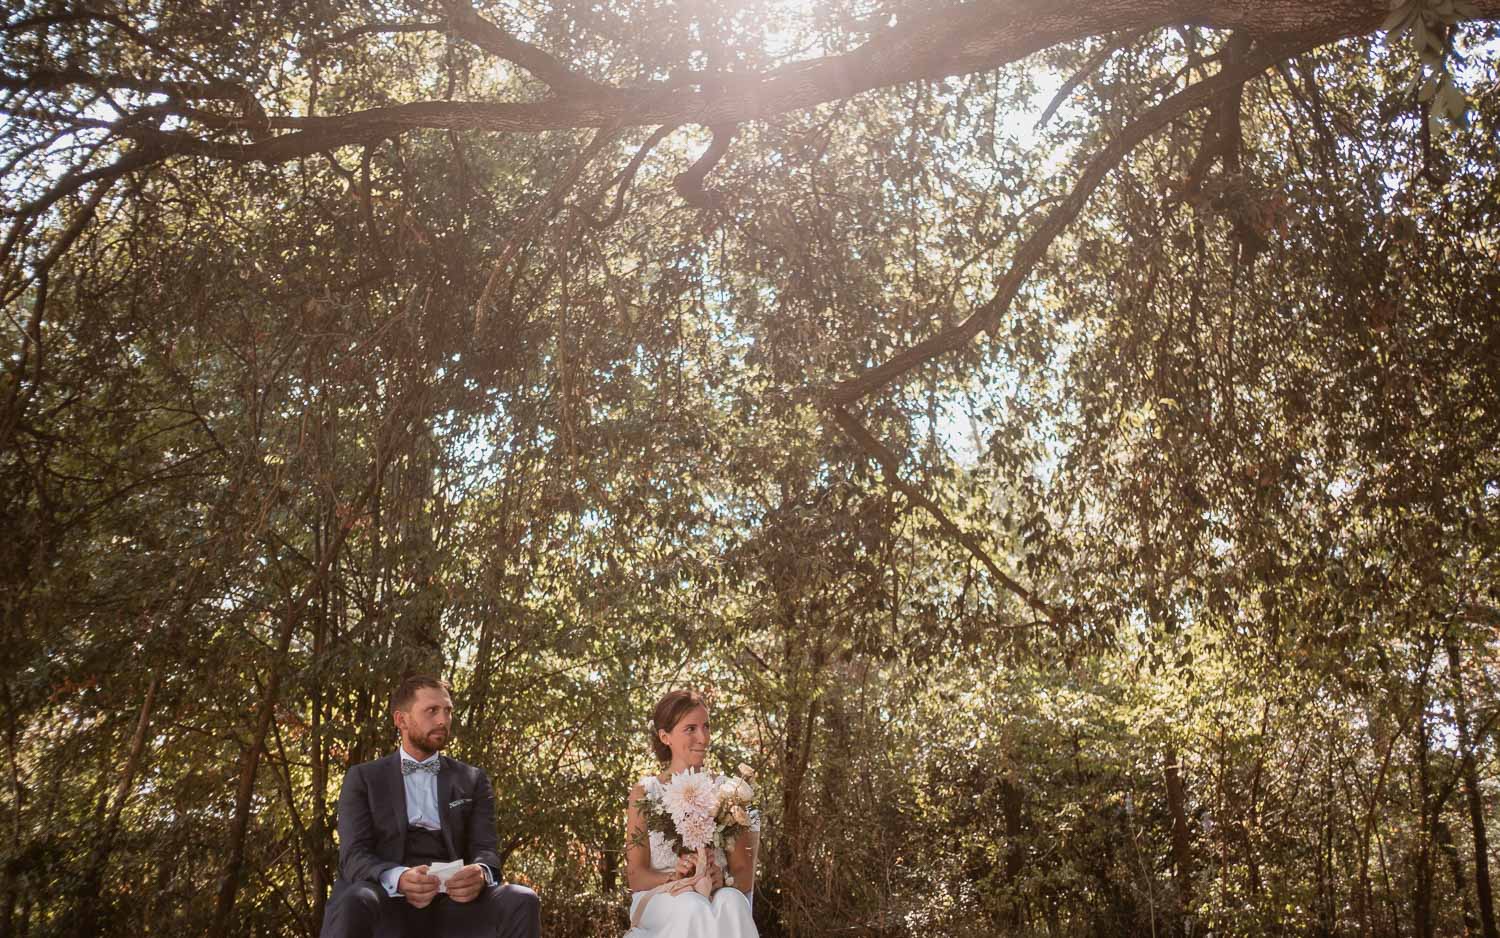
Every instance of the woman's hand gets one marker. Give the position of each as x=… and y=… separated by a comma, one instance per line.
x=684, y=877
x=715, y=873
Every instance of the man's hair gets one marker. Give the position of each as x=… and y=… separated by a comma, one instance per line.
x=406, y=691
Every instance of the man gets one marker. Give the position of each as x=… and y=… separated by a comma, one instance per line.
x=399, y=815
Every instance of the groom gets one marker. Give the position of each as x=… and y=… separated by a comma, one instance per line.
x=413, y=808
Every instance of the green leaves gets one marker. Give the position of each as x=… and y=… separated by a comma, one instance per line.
x=1427, y=25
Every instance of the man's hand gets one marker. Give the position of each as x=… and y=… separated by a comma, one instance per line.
x=418, y=888
x=467, y=883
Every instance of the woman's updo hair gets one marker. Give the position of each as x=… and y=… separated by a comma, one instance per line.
x=669, y=711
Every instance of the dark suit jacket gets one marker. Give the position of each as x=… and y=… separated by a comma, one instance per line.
x=372, y=817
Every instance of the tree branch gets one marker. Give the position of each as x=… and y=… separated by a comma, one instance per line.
x=71, y=182
x=974, y=37
x=1094, y=63
x=31, y=340
x=627, y=176
x=44, y=20
x=689, y=184
x=58, y=79
x=1035, y=247
x=890, y=466
x=77, y=178
x=481, y=32
x=544, y=209
x=321, y=46
x=367, y=205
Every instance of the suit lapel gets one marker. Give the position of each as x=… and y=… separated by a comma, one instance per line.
x=445, y=795
x=396, y=785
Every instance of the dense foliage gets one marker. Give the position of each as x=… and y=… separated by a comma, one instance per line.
x=1159, y=597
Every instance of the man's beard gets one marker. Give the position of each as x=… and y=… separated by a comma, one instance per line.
x=432, y=742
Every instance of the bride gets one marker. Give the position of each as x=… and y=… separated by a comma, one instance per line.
x=661, y=905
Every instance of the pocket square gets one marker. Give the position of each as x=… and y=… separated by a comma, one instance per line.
x=456, y=802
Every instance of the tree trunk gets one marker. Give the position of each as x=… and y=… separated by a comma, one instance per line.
x=1383, y=741
x=321, y=848
x=796, y=756
x=94, y=872
x=1328, y=876
x=1421, y=904
x=229, y=881
x=1182, y=853
x=1011, y=804
x=1443, y=837
x=609, y=864
x=1250, y=824
x=7, y=874
x=322, y=844
x=1475, y=804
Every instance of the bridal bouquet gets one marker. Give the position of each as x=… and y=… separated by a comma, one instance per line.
x=701, y=809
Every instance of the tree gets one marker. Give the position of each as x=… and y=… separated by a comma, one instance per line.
x=1063, y=438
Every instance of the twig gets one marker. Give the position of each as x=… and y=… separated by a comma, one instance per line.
x=544, y=209
x=890, y=466
x=627, y=176
x=1095, y=62
x=319, y=47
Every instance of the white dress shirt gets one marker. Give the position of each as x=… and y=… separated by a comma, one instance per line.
x=421, y=795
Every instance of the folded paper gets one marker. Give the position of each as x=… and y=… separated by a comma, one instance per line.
x=443, y=871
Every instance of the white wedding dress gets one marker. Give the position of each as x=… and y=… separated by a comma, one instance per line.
x=689, y=915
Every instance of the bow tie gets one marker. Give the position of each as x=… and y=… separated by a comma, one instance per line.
x=408, y=767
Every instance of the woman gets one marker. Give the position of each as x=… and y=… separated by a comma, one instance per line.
x=663, y=903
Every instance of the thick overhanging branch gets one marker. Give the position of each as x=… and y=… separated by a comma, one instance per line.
x=1222, y=136
x=974, y=37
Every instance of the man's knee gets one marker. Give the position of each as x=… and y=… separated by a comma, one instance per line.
x=505, y=911
x=515, y=900
x=354, y=903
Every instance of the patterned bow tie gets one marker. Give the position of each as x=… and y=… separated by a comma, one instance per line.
x=408, y=767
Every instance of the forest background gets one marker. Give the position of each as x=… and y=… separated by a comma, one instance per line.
x=1061, y=437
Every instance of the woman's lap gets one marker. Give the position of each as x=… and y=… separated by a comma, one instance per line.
x=690, y=915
